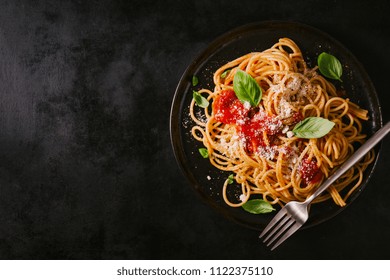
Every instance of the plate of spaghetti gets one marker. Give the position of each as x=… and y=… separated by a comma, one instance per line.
x=266, y=113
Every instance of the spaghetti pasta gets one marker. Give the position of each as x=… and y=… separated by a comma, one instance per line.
x=256, y=143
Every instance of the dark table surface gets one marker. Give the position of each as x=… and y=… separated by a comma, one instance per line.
x=86, y=165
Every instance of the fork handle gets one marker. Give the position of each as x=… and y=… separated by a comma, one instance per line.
x=364, y=149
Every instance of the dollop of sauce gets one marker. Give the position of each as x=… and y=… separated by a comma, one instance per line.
x=250, y=123
x=228, y=109
x=310, y=172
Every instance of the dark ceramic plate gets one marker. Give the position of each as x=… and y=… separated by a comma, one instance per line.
x=205, y=178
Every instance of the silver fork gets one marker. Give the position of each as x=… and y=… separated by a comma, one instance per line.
x=294, y=214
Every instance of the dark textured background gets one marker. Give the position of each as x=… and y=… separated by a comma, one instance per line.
x=86, y=166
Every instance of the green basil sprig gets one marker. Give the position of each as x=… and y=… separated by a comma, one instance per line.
x=246, y=88
x=313, y=127
x=204, y=152
x=195, y=80
x=200, y=100
x=330, y=66
x=225, y=73
x=230, y=179
x=257, y=206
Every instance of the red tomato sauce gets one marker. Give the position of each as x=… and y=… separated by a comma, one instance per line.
x=250, y=124
x=309, y=171
x=297, y=117
x=228, y=109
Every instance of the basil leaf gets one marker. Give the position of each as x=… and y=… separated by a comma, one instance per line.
x=204, y=152
x=230, y=179
x=200, y=100
x=257, y=206
x=225, y=73
x=246, y=88
x=194, y=80
x=313, y=127
x=330, y=66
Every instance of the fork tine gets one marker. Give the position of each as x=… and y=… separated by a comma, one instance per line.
x=277, y=227
x=281, y=231
x=273, y=222
x=293, y=229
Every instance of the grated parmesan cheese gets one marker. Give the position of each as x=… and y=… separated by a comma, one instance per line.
x=247, y=105
x=268, y=152
x=290, y=134
x=230, y=146
x=243, y=197
x=285, y=110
